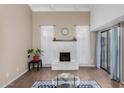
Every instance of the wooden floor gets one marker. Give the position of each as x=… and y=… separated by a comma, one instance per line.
x=84, y=73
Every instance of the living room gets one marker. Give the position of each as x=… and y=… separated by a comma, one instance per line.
x=69, y=36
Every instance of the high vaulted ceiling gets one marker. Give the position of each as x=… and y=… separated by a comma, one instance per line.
x=60, y=7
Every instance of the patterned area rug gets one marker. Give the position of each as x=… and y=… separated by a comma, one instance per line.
x=83, y=84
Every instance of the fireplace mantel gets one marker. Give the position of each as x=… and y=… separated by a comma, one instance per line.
x=68, y=40
x=64, y=40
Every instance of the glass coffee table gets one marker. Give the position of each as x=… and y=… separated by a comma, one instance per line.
x=66, y=80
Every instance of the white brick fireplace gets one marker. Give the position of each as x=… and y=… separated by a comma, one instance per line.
x=64, y=47
x=78, y=49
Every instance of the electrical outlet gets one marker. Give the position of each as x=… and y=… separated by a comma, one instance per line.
x=7, y=75
x=17, y=69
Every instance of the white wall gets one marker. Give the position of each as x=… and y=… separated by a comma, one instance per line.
x=103, y=16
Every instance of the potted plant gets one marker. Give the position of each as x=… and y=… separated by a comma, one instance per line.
x=35, y=53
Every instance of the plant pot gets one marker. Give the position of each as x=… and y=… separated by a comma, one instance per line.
x=36, y=58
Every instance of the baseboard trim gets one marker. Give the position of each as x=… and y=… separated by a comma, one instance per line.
x=46, y=65
x=122, y=82
x=87, y=65
x=49, y=65
x=15, y=78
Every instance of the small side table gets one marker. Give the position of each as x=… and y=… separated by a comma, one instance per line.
x=39, y=63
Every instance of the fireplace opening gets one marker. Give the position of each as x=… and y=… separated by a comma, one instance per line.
x=64, y=56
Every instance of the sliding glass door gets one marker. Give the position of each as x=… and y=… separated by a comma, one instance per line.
x=105, y=50
x=108, y=52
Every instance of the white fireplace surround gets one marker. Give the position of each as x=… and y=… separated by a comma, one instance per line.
x=79, y=50
x=64, y=47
